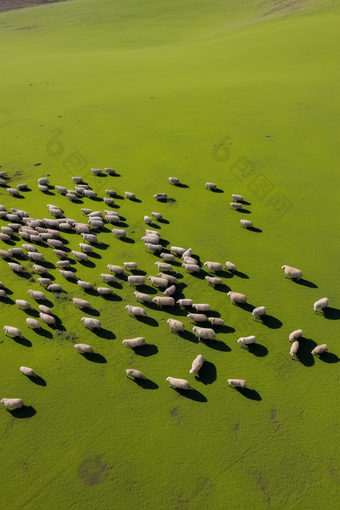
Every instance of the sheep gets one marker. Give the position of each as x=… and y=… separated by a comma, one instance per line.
x=196, y=364
x=236, y=297
x=142, y=297
x=163, y=301
x=85, y=211
x=84, y=348
x=36, y=294
x=205, y=333
x=246, y=224
x=213, y=266
x=12, y=403
x=22, y=304
x=210, y=185
x=322, y=303
x=90, y=238
x=35, y=238
x=130, y=196
x=130, y=372
x=78, y=255
x=319, y=349
x=180, y=384
x=157, y=215
x=150, y=239
x=5, y=255
x=17, y=268
x=32, y=323
x=111, y=192
x=77, y=180
x=21, y=212
x=173, y=180
x=8, y=231
x=96, y=223
x=171, y=279
x=170, y=291
x=111, y=218
x=3, y=294
x=213, y=281
x=60, y=254
x=135, y=310
x=295, y=335
x=136, y=280
x=152, y=233
x=177, y=250
x=68, y=274
x=43, y=180
x=104, y=291
x=91, y=323
x=110, y=171
x=29, y=248
x=9, y=330
x=237, y=383
x=235, y=205
x=130, y=265
x=238, y=198
x=96, y=171
x=13, y=192
x=153, y=247
x=163, y=266
x=5, y=237
x=201, y=307
x=175, y=326
x=15, y=226
x=95, y=214
x=3, y=182
x=160, y=196
x=45, y=309
x=55, y=287
x=167, y=257
x=85, y=247
x=115, y=269
x=294, y=348
x=259, y=312
x=55, y=243
x=89, y=193
x=65, y=226
x=131, y=343
x=246, y=340
x=40, y=269
x=63, y=263
x=230, y=267
x=196, y=317
x=3, y=174
x=24, y=235
x=158, y=282
x=51, y=223
x=61, y=190
x=85, y=285
x=82, y=228
x=81, y=303
x=47, y=318
x=184, y=302
x=216, y=321
x=119, y=233
x=147, y=220
x=37, y=257
x=190, y=260
x=191, y=268
x=292, y=272
x=108, y=278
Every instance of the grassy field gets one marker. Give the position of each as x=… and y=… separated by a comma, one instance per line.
x=243, y=94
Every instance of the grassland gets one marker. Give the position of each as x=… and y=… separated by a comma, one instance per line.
x=243, y=95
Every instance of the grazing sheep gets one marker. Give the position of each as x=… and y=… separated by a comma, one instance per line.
x=130, y=265
x=5, y=255
x=61, y=189
x=163, y=301
x=115, y=269
x=85, y=285
x=246, y=224
x=63, y=263
x=322, y=303
x=294, y=348
x=29, y=247
x=78, y=255
x=82, y=228
x=135, y=310
x=177, y=250
x=197, y=364
x=85, y=211
x=81, y=303
x=5, y=237
x=65, y=226
x=108, y=278
x=142, y=297
x=47, y=318
x=196, y=317
x=157, y=215
x=136, y=280
x=210, y=185
x=163, y=266
x=235, y=205
x=90, y=323
x=55, y=243
x=51, y=223
x=213, y=281
x=111, y=218
x=96, y=171
x=184, y=302
x=40, y=269
x=153, y=247
x=131, y=343
x=187, y=253
x=180, y=384
x=12, y=403
x=105, y=291
x=32, y=323
x=190, y=260
x=246, y=340
x=89, y=193
x=45, y=309
x=295, y=335
x=17, y=268
x=9, y=330
x=85, y=247
x=24, y=235
x=111, y=192
x=84, y=348
x=77, y=180
x=237, y=383
x=130, y=196
x=259, y=312
x=96, y=223
x=160, y=196
x=147, y=220
x=130, y=372
x=37, y=257
x=216, y=321
x=110, y=171
x=119, y=233
x=13, y=192
x=236, y=297
x=171, y=279
x=205, y=333
x=173, y=180
x=168, y=257
x=8, y=231
x=213, y=266
x=3, y=294
x=319, y=349
x=44, y=181
x=36, y=294
x=150, y=239
x=68, y=274
x=90, y=238
x=152, y=233
x=35, y=238
x=175, y=325
x=16, y=252
x=45, y=282
x=55, y=287
x=170, y=291
x=60, y=254
x=230, y=267
x=292, y=272
x=22, y=304
x=238, y=198
x=201, y=307
x=158, y=282
x=191, y=268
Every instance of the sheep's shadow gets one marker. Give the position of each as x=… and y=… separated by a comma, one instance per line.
x=138, y=272
x=87, y=263
x=146, y=384
x=187, y=335
x=128, y=240
x=8, y=300
x=111, y=297
x=192, y=394
x=257, y=349
x=7, y=290
x=37, y=380
x=146, y=350
x=207, y=374
x=95, y=357
x=304, y=353
x=329, y=357
x=245, y=211
x=254, y=229
x=22, y=341
x=271, y=322
x=94, y=255
x=222, y=288
x=163, y=220
x=331, y=313
x=241, y=275
x=91, y=311
x=104, y=333
x=217, y=190
x=24, y=412
x=44, y=332
x=306, y=283
x=248, y=393
x=181, y=185
x=137, y=200
x=102, y=246
x=217, y=345
x=224, y=329
x=246, y=306
x=148, y=320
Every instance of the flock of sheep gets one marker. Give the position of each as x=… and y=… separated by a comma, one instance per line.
x=33, y=230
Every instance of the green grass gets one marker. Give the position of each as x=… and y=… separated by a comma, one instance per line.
x=151, y=89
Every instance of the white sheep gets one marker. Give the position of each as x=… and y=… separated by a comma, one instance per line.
x=163, y=266
x=84, y=348
x=40, y=269
x=187, y=253
x=7, y=230
x=105, y=291
x=246, y=224
x=130, y=372
x=5, y=255
x=294, y=348
x=111, y=192
x=85, y=247
x=28, y=371
x=191, y=268
x=160, y=196
x=205, y=333
x=175, y=325
x=142, y=297
x=89, y=193
x=44, y=282
x=319, y=349
x=213, y=281
x=78, y=255
x=5, y=237
x=171, y=279
x=119, y=233
x=152, y=233
x=13, y=192
x=295, y=335
x=35, y=238
x=45, y=309
x=292, y=272
x=210, y=185
x=150, y=239
x=147, y=220
x=110, y=171
x=81, y=303
x=115, y=269
x=22, y=304
x=61, y=189
x=246, y=340
x=55, y=287
x=168, y=257
x=55, y=243
x=184, y=302
x=177, y=250
x=213, y=266
x=37, y=257
x=158, y=282
x=216, y=321
x=69, y=275
x=110, y=202
x=322, y=303
x=3, y=294
x=150, y=248
x=258, y=312
x=130, y=265
x=63, y=263
x=197, y=364
x=197, y=317
x=32, y=323
x=16, y=252
x=91, y=323
x=235, y=205
x=237, y=383
x=230, y=267
x=135, y=310
x=85, y=285
x=77, y=180
x=17, y=268
x=157, y=215
x=236, y=297
x=22, y=187
x=170, y=291
x=163, y=301
x=130, y=196
x=90, y=238
x=131, y=343
x=12, y=403
x=96, y=171
x=201, y=307
x=136, y=280
x=82, y=228
x=10, y=330
x=36, y=294
x=108, y=278
x=47, y=318
x=173, y=180
x=190, y=260
x=180, y=384
x=238, y=198
x=60, y=254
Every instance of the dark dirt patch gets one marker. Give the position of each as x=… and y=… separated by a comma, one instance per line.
x=284, y=6
x=10, y=5
x=93, y=470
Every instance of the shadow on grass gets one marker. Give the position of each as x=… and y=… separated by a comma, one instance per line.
x=329, y=357
x=246, y=306
x=306, y=283
x=147, y=384
x=146, y=350
x=207, y=374
x=163, y=220
x=24, y=274
x=187, y=335
x=257, y=349
x=138, y=272
x=94, y=255
x=217, y=190
x=44, y=332
x=24, y=412
x=254, y=229
x=191, y=394
x=8, y=291
x=22, y=341
x=304, y=353
x=217, y=345
x=331, y=313
x=148, y=320
x=37, y=380
x=102, y=246
x=111, y=297
x=137, y=200
x=241, y=275
x=146, y=289
x=222, y=288
x=181, y=185
x=271, y=322
x=104, y=333
x=248, y=393
x=95, y=358
x=86, y=263
x=128, y=240
x=7, y=300
x=224, y=329
x=90, y=311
